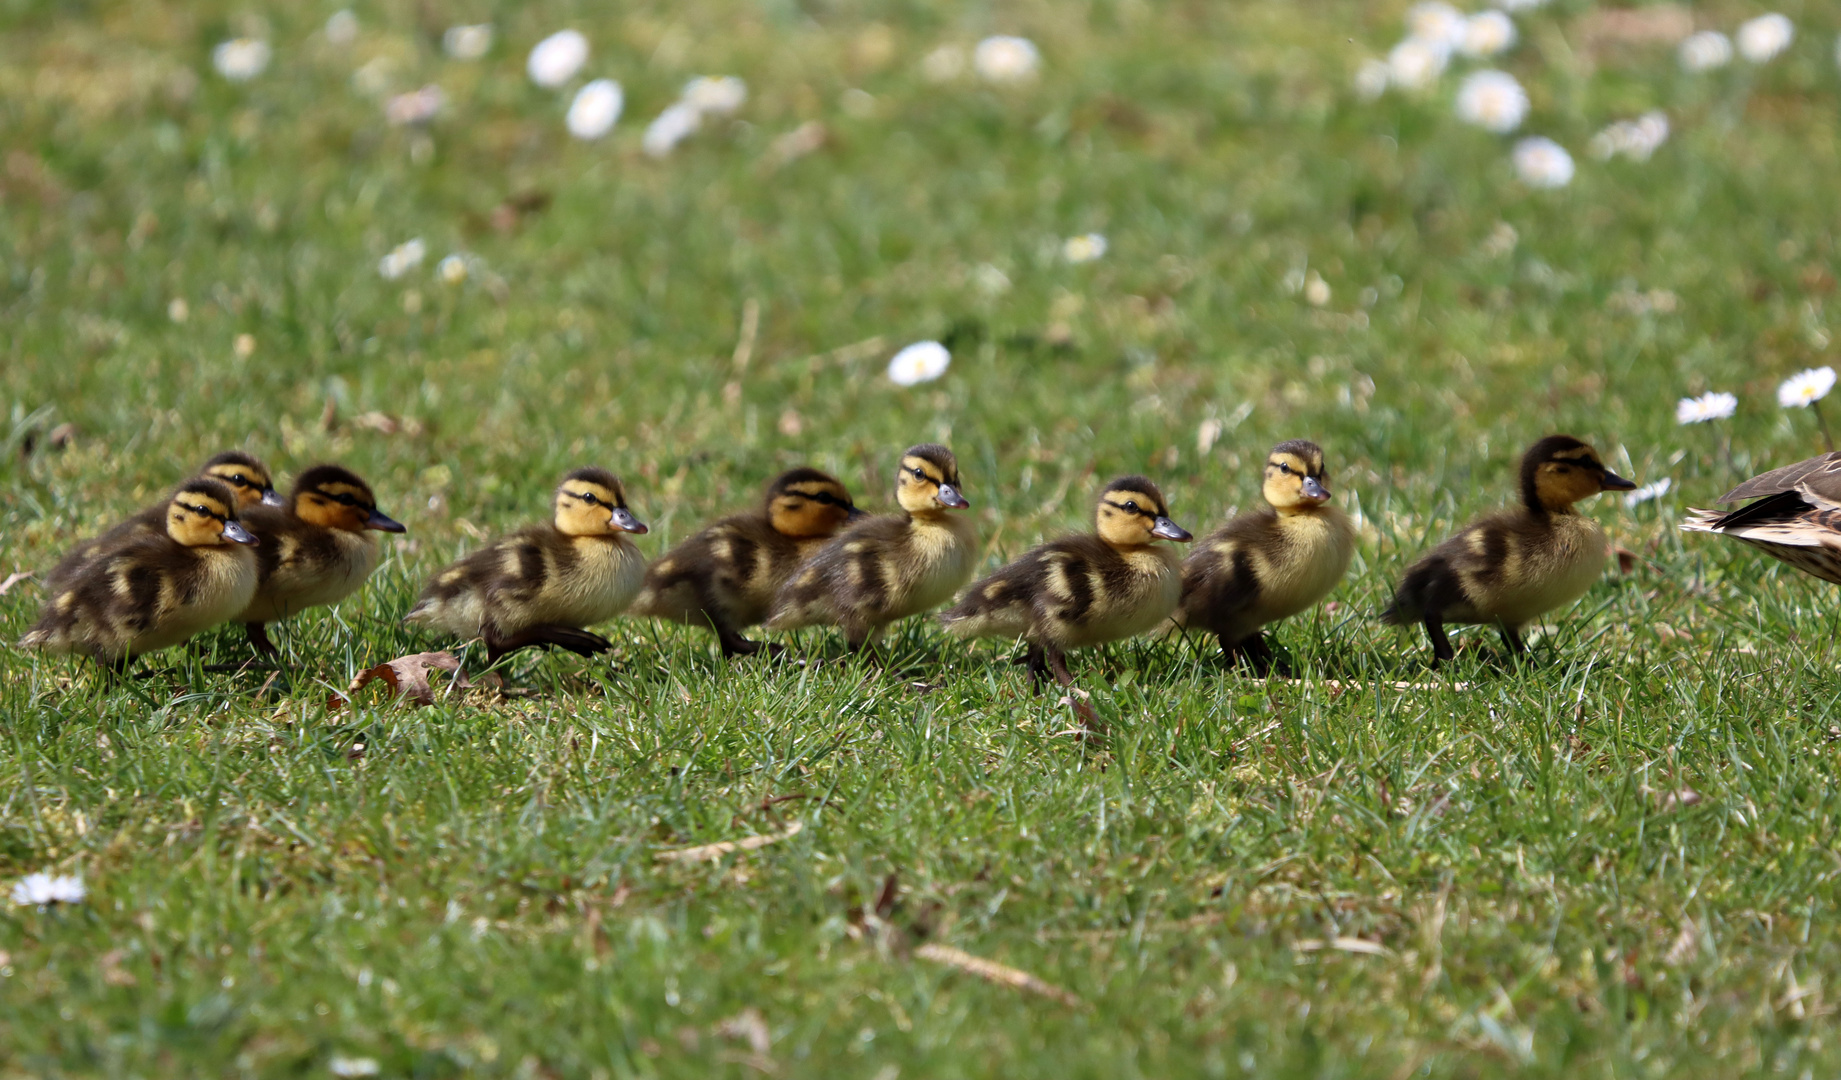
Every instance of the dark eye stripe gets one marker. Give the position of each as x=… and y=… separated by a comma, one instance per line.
x=1123, y=509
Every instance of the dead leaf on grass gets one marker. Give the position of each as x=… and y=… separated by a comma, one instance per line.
x=712, y=852
x=992, y=971
x=1669, y=801
x=748, y=1025
x=408, y=676
x=1686, y=946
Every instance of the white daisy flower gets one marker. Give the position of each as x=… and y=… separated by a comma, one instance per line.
x=342, y=28
x=1705, y=51
x=1316, y=290
x=1084, y=248
x=1486, y=34
x=1543, y=163
x=1805, y=388
x=1415, y=63
x=943, y=64
x=715, y=95
x=241, y=59
x=42, y=890
x=1762, y=38
x=1649, y=492
x=923, y=361
x=467, y=42
x=1436, y=23
x=453, y=269
x=1492, y=100
x=402, y=259
x=1636, y=139
x=1710, y=406
x=1520, y=5
x=556, y=59
x=1006, y=59
x=415, y=107
x=1371, y=79
x=178, y=311
x=677, y=123
x=595, y=109
x=347, y=1068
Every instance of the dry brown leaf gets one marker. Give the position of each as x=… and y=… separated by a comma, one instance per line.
x=711, y=852
x=112, y=972
x=748, y=1025
x=1686, y=946
x=807, y=138
x=1626, y=559
x=992, y=971
x=1669, y=801
x=408, y=676
x=14, y=579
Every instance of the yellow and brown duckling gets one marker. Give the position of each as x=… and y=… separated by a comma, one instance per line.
x=317, y=548
x=1509, y=568
x=248, y=479
x=1082, y=590
x=1270, y=564
x=147, y=592
x=1797, y=517
x=888, y=567
x=540, y=586
x=726, y=576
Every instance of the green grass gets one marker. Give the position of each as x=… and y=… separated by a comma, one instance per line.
x=478, y=892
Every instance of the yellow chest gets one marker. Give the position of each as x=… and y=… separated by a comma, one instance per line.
x=599, y=582
x=936, y=562
x=1129, y=608
x=1537, y=578
x=1309, y=563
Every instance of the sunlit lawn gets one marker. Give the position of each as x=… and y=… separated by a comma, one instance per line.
x=1618, y=859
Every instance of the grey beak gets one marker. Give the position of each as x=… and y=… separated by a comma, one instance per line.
x=271, y=497
x=1170, y=530
x=237, y=534
x=950, y=497
x=624, y=519
x=1314, y=489
x=1614, y=482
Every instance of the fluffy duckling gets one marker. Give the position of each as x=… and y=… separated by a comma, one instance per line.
x=248, y=479
x=541, y=585
x=148, y=592
x=889, y=567
x=1797, y=517
x=726, y=576
x=1510, y=567
x=316, y=549
x=1082, y=590
x=1267, y=565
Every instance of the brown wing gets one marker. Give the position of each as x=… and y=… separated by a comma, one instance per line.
x=1821, y=475
x=1219, y=578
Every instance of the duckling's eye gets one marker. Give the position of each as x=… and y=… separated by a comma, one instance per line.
x=1284, y=468
x=1132, y=506
x=587, y=498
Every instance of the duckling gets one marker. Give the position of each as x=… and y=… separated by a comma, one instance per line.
x=1082, y=590
x=247, y=478
x=886, y=568
x=1797, y=517
x=1267, y=565
x=725, y=577
x=143, y=593
x=541, y=585
x=316, y=549
x=1512, y=566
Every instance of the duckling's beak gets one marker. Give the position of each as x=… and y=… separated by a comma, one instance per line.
x=626, y=522
x=271, y=497
x=1170, y=530
x=237, y=534
x=383, y=524
x=1613, y=482
x=951, y=499
x=1315, y=491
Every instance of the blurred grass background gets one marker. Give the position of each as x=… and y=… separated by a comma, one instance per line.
x=476, y=891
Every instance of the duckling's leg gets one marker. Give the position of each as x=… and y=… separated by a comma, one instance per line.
x=1038, y=668
x=1511, y=637
x=576, y=641
x=259, y=639
x=1058, y=664
x=732, y=642
x=1441, y=645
